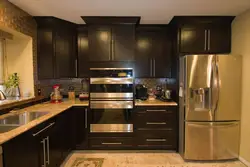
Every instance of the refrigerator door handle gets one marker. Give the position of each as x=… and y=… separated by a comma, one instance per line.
x=218, y=88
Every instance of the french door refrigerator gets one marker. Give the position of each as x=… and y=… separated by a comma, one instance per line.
x=210, y=104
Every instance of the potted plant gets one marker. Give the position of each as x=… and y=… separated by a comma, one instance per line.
x=12, y=86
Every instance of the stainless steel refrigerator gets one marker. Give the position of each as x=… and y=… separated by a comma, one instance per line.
x=210, y=105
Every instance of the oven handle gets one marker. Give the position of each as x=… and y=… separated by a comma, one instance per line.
x=111, y=104
x=127, y=80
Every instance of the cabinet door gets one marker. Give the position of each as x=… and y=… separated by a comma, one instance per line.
x=99, y=43
x=143, y=58
x=81, y=127
x=83, y=50
x=21, y=151
x=219, y=39
x=162, y=60
x=45, y=54
x=192, y=40
x=123, y=42
x=65, y=53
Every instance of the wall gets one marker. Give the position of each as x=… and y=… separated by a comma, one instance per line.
x=14, y=19
x=241, y=46
x=19, y=59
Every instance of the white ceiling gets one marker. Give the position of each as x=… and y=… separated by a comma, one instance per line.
x=151, y=11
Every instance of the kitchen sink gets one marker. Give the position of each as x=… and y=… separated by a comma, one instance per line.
x=13, y=121
x=7, y=128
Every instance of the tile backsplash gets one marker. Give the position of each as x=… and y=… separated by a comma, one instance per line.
x=46, y=85
x=166, y=83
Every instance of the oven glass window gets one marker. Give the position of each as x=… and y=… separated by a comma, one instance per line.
x=111, y=116
x=111, y=88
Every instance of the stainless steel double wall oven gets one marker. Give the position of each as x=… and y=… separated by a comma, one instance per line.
x=111, y=100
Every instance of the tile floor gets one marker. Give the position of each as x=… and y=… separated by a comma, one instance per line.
x=136, y=159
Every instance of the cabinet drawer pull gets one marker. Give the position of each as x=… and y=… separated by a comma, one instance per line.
x=156, y=140
x=156, y=110
x=51, y=124
x=156, y=123
x=112, y=143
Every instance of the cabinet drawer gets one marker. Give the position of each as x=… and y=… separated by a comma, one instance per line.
x=159, y=139
x=111, y=143
x=155, y=118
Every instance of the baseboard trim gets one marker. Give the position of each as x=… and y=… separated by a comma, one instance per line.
x=244, y=161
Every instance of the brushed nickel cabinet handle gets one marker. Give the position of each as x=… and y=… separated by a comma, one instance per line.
x=156, y=110
x=113, y=50
x=51, y=124
x=44, y=153
x=76, y=67
x=156, y=123
x=205, y=46
x=48, y=148
x=208, y=45
x=119, y=143
x=151, y=67
x=86, y=118
x=154, y=66
x=156, y=140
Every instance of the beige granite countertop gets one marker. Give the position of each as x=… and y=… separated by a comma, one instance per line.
x=16, y=101
x=53, y=109
x=154, y=103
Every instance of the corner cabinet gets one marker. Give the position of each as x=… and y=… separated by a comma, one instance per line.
x=111, y=43
x=203, y=34
x=56, y=48
x=153, y=52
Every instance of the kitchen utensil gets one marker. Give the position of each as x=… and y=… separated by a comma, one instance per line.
x=71, y=93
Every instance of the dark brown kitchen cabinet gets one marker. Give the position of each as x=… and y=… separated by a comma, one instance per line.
x=56, y=54
x=156, y=127
x=99, y=43
x=123, y=43
x=219, y=39
x=65, y=52
x=45, y=52
x=82, y=52
x=153, y=52
x=81, y=127
x=193, y=39
x=203, y=34
x=21, y=151
x=111, y=43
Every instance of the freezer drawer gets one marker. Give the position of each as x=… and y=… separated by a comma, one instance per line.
x=211, y=141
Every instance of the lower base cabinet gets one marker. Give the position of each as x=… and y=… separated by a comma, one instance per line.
x=46, y=145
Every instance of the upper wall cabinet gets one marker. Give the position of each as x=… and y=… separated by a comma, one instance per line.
x=111, y=43
x=203, y=34
x=111, y=38
x=153, y=51
x=56, y=48
x=83, y=51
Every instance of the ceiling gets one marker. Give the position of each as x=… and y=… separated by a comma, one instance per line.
x=151, y=11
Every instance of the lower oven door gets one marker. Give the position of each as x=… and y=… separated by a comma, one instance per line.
x=111, y=116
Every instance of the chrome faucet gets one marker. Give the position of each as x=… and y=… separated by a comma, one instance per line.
x=2, y=96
